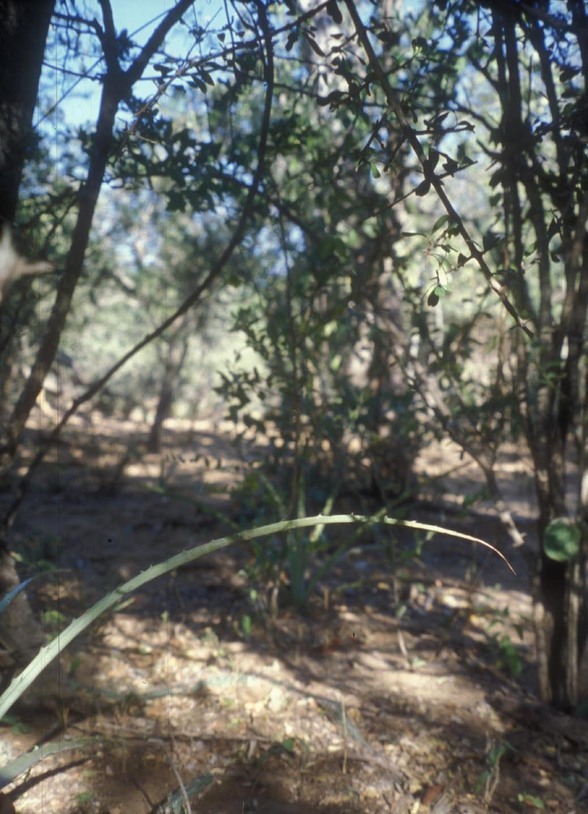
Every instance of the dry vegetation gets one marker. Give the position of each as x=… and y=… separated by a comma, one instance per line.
x=394, y=691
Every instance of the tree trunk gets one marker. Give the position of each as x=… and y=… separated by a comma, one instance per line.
x=561, y=619
x=20, y=633
x=23, y=31
x=560, y=595
x=176, y=351
x=164, y=405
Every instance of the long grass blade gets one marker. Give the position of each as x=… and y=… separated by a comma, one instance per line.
x=112, y=600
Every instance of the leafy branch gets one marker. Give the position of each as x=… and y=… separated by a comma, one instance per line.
x=194, y=295
x=431, y=178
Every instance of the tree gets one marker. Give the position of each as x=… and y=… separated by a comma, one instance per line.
x=539, y=144
x=109, y=151
x=328, y=144
x=23, y=31
x=19, y=81
x=533, y=257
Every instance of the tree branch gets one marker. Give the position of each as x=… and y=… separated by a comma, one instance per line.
x=430, y=176
x=195, y=295
x=117, y=85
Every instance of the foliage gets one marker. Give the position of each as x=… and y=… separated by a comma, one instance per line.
x=391, y=203
x=322, y=306
x=510, y=74
x=524, y=88
x=489, y=779
x=562, y=539
x=506, y=654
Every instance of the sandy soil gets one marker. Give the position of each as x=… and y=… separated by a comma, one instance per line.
x=406, y=685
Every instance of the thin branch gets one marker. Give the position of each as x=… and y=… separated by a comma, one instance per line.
x=430, y=176
x=117, y=84
x=195, y=295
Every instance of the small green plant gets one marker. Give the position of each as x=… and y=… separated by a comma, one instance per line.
x=246, y=625
x=16, y=725
x=308, y=559
x=85, y=799
x=531, y=801
x=488, y=780
x=508, y=656
x=303, y=558
x=121, y=594
x=506, y=653
x=53, y=620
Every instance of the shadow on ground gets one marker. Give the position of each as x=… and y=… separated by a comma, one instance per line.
x=405, y=685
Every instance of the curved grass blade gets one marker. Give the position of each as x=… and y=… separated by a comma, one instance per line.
x=112, y=600
x=14, y=768
x=7, y=598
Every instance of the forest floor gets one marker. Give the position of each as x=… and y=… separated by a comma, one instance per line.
x=406, y=684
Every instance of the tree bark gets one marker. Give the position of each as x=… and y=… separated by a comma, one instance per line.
x=176, y=351
x=23, y=32
x=24, y=25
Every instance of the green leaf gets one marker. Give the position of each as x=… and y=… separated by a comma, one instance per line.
x=196, y=82
x=112, y=600
x=207, y=77
x=334, y=12
x=531, y=801
x=561, y=541
x=333, y=98
x=292, y=39
x=422, y=188
x=450, y=166
x=313, y=44
x=162, y=69
x=489, y=241
x=440, y=222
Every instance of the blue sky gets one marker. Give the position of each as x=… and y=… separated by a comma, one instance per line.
x=78, y=99
x=133, y=15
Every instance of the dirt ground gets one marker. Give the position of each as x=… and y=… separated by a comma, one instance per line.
x=406, y=685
